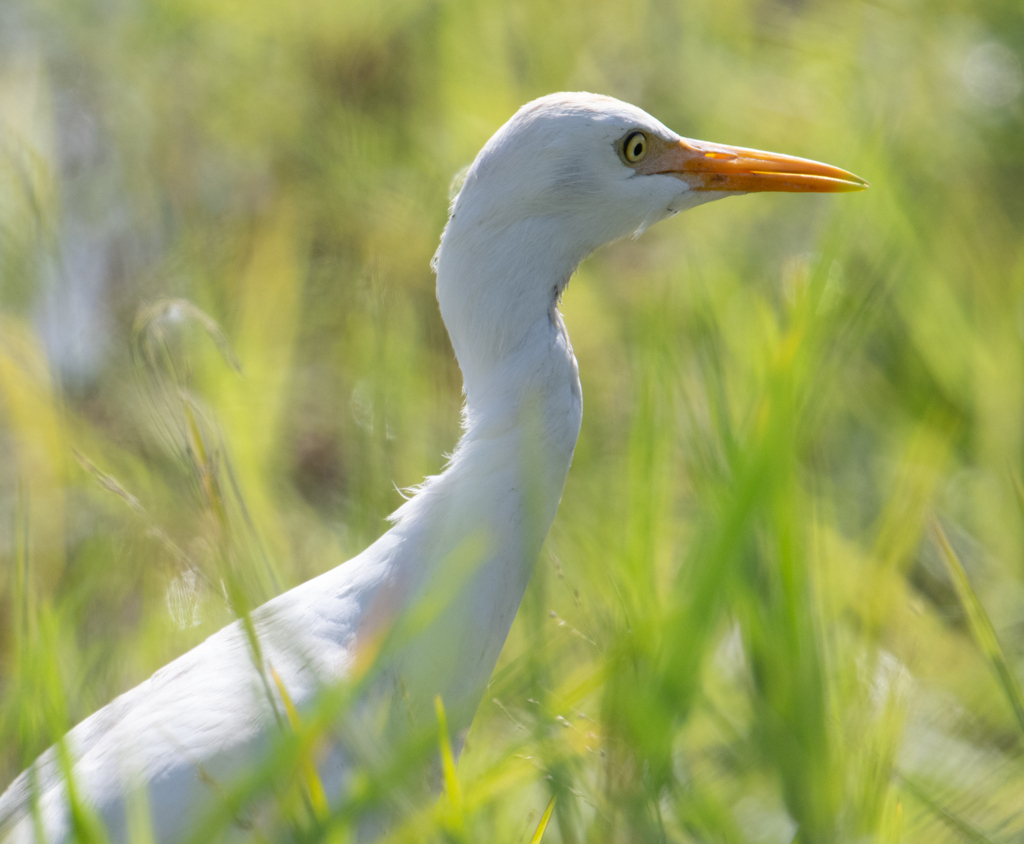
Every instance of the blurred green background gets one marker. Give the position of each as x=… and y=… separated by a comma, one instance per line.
x=784, y=594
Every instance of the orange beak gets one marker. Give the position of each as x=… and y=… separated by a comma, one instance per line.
x=717, y=167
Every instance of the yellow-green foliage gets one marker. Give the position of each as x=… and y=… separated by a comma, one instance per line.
x=783, y=594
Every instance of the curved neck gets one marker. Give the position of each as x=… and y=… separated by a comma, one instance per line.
x=497, y=286
x=498, y=289
x=472, y=534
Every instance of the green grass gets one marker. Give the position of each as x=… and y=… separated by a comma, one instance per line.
x=783, y=593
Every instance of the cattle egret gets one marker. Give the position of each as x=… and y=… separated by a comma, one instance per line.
x=566, y=174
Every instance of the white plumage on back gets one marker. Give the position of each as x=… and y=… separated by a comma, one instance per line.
x=552, y=185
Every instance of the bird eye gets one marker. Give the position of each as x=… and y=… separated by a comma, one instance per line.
x=635, y=147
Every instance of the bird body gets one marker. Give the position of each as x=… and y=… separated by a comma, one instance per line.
x=566, y=174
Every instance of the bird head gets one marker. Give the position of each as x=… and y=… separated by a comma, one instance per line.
x=600, y=169
x=566, y=174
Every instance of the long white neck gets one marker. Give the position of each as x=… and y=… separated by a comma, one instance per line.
x=467, y=542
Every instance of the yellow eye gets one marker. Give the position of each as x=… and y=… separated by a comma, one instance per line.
x=635, y=147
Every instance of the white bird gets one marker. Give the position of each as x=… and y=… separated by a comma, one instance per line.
x=566, y=174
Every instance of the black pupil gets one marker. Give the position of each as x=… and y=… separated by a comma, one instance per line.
x=639, y=148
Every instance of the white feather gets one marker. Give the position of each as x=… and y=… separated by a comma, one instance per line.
x=544, y=192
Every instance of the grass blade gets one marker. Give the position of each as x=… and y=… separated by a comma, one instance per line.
x=544, y=821
x=968, y=830
x=981, y=625
x=310, y=778
x=453, y=794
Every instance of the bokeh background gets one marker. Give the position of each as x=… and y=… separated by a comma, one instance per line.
x=783, y=598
